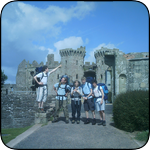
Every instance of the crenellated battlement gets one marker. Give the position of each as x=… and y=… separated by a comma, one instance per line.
x=71, y=52
x=104, y=51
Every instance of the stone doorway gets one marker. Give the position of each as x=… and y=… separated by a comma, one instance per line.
x=90, y=74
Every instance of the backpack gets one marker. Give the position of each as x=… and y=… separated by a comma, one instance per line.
x=67, y=83
x=105, y=90
x=38, y=70
x=72, y=96
x=88, y=80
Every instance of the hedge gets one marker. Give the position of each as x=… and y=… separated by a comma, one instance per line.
x=131, y=111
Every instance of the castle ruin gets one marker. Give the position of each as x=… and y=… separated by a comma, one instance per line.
x=119, y=71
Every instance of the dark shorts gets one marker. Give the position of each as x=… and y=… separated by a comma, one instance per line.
x=89, y=104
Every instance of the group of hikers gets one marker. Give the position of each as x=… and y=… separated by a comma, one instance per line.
x=92, y=95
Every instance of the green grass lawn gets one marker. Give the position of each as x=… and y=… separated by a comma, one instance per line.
x=12, y=133
x=142, y=136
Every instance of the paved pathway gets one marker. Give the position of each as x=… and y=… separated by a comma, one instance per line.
x=62, y=135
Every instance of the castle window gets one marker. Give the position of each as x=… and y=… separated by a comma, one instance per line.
x=76, y=62
x=76, y=76
x=66, y=61
x=101, y=76
x=102, y=62
x=146, y=55
x=58, y=76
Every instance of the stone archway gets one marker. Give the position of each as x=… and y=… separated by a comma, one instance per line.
x=122, y=83
x=90, y=74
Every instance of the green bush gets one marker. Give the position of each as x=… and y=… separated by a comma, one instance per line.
x=131, y=111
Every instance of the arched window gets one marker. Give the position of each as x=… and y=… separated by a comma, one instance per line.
x=101, y=76
x=76, y=76
x=57, y=76
x=66, y=61
x=76, y=62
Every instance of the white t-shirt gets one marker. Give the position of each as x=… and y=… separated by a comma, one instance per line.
x=97, y=92
x=44, y=79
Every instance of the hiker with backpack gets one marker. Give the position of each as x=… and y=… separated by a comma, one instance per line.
x=98, y=93
x=42, y=85
x=62, y=89
x=88, y=100
x=76, y=93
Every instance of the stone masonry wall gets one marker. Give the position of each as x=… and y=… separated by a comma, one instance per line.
x=19, y=110
x=138, y=74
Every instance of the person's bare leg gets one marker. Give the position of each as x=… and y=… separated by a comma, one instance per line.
x=42, y=104
x=39, y=105
x=93, y=113
x=103, y=114
x=86, y=113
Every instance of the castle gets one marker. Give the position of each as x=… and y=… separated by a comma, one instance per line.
x=119, y=71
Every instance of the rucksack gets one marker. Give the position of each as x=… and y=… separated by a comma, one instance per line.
x=67, y=83
x=88, y=80
x=38, y=70
x=105, y=90
x=72, y=96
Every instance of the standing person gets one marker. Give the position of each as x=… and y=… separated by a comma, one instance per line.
x=99, y=102
x=88, y=100
x=42, y=89
x=76, y=93
x=62, y=90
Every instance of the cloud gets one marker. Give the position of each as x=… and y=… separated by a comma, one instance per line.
x=26, y=27
x=70, y=42
x=91, y=57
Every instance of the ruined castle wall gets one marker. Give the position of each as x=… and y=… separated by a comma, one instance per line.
x=17, y=111
x=20, y=110
x=120, y=72
x=21, y=76
x=52, y=79
x=138, y=74
x=72, y=63
x=100, y=70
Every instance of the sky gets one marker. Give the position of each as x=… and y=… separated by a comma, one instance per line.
x=31, y=30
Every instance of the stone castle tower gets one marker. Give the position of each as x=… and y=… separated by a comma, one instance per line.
x=119, y=71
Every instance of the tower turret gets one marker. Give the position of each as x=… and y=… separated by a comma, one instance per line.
x=72, y=62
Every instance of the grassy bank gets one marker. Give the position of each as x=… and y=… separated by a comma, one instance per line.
x=142, y=136
x=11, y=133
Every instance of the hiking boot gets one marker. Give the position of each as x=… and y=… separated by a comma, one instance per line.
x=87, y=121
x=104, y=123
x=55, y=120
x=73, y=121
x=94, y=121
x=67, y=121
x=42, y=110
x=101, y=122
x=78, y=121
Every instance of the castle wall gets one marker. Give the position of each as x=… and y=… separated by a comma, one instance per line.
x=138, y=74
x=119, y=78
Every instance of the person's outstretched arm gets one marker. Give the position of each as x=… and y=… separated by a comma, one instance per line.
x=55, y=69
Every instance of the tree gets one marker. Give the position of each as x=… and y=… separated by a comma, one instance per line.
x=3, y=78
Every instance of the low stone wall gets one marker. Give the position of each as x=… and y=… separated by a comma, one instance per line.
x=18, y=110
